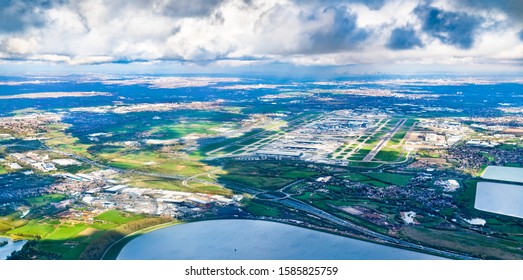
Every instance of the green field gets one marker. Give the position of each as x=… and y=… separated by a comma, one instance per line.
x=263, y=175
x=361, y=153
x=242, y=143
x=260, y=209
x=428, y=154
x=139, y=160
x=59, y=238
x=66, y=231
x=391, y=178
x=117, y=217
x=179, y=130
x=396, y=139
x=176, y=185
x=365, y=164
x=10, y=222
x=356, y=177
x=479, y=245
x=207, y=188
x=388, y=154
x=67, y=143
x=225, y=141
x=33, y=229
x=76, y=240
x=467, y=194
x=258, y=181
x=380, y=179
x=45, y=199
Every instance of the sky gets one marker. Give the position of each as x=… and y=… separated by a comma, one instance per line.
x=261, y=35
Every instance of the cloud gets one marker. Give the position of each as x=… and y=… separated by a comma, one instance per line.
x=371, y=4
x=18, y=15
x=374, y=4
x=310, y=30
x=216, y=33
x=19, y=46
x=187, y=8
x=341, y=33
x=512, y=8
x=455, y=28
x=403, y=38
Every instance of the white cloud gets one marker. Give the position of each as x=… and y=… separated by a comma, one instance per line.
x=50, y=58
x=242, y=32
x=20, y=46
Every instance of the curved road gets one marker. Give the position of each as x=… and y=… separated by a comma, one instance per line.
x=299, y=205
x=286, y=201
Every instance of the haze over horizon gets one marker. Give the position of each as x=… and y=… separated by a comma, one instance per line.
x=238, y=36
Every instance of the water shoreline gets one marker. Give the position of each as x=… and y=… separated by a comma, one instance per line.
x=11, y=246
x=273, y=240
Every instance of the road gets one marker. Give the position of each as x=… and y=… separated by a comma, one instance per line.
x=299, y=205
x=286, y=201
x=268, y=196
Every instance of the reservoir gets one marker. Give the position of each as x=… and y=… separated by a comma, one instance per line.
x=500, y=198
x=503, y=173
x=11, y=246
x=255, y=240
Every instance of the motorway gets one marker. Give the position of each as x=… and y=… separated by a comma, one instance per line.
x=299, y=205
x=287, y=201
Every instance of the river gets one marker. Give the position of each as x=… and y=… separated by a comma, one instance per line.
x=11, y=246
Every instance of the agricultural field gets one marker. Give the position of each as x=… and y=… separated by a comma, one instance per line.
x=10, y=222
x=374, y=159
x=67, y=143
x=34, y=229
x=59, y=238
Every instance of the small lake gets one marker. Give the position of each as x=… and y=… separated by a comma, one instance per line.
x=11, y=246
x=503, y=173
x=255, y=240
x=506, y=199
